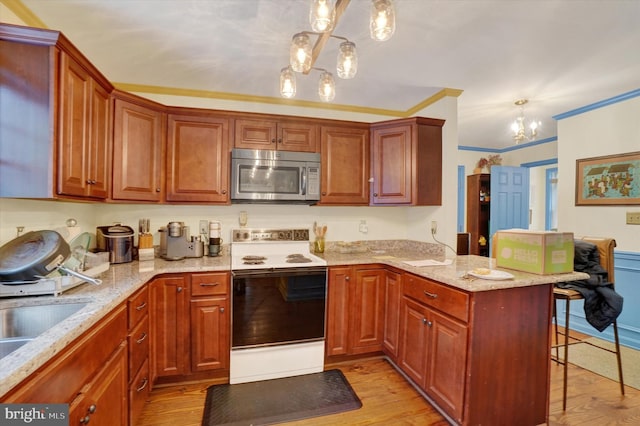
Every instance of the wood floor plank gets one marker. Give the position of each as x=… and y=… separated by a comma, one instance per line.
x=388, y=399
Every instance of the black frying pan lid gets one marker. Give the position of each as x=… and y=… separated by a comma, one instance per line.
x=31, y=255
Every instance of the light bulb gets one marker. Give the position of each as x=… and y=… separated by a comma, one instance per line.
x=347, y=60
x=287, y=83
x=326, y=87
x=383, y=20
x=300, y=53
x=322, y=15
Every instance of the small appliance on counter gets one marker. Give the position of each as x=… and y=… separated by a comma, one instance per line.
x=176, y=243
x=117, y=240
x=215, y=242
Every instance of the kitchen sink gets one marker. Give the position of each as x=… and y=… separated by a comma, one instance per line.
x=22, y=324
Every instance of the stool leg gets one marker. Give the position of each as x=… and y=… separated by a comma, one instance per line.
x=615, y=334
x=555, y=323
x=566, y=355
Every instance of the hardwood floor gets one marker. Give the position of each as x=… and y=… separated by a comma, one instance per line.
x=388, y=399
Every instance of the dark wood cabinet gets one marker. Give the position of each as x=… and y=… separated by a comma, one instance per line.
x=345, y=165
x=407, y=162
x=138, y=149
x=355, y=305
x=276, y=133
x=84, y=128
x=138, y=340
x=478, y=213
x=197, y=157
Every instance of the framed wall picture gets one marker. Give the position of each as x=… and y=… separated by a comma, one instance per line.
x=609, y=180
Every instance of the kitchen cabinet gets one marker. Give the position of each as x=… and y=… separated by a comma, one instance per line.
x=139, y=133
x=210, y=322
x=197, y=156
x=478, y=213
x=138, y=338
x=345, y=154
x=90, y=375
x=406, y=158
x=355, y=310
x=55, y=115
x=190, y=326
x=84, y=144
x=276, y=133
x=392, y=298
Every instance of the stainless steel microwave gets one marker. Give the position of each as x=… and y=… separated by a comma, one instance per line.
x=274, y=176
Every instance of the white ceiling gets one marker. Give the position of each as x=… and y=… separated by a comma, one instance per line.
x=559, y=54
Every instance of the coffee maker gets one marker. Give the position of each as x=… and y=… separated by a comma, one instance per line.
x=176, y=243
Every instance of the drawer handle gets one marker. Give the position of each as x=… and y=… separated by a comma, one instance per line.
x=209, y=284
x=144, y=385
x=141, y=307
x=142, y=338
x=431, y=295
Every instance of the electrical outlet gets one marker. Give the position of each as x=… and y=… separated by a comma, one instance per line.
x=363, y=226
x=204, y=227
x=434, y=227
x=633, y=218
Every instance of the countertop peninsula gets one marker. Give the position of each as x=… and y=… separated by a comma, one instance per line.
x=122, y=280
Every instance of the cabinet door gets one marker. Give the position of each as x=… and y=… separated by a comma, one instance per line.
x=255, y=134
x=345, y=166
x=447, y=356
x=413, y=340
x=392, y=153
x=137, y=152
x=338, y=310
x=210, y=337
x=104, y=400
x=198, y=159
x=170, y=326
x=297, y=136
x=392, y=282
x=366, y=325
x=84, y=133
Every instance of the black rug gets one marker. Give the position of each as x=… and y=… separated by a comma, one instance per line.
x=279, y=400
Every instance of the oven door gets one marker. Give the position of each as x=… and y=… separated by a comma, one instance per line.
x=278, y=306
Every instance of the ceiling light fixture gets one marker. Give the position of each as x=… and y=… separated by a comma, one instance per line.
x=323, y=17
x=382, y=24
x=520, y=129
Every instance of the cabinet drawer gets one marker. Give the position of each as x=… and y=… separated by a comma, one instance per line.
x=138, y=340
x=451, y=302
x=209, y=284
x=138, y=392
x=138, y=306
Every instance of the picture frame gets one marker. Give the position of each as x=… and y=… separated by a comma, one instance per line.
x=608, y=180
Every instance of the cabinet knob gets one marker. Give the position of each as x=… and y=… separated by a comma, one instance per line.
x=224, y=192
x=85, y=420
x=324, y=193
x=179, y=289
x=426, y=322
x=375, y=194
x=222, y=310
x=157, y=189
x=273, y=140
x=347, y=278
x=92, y=408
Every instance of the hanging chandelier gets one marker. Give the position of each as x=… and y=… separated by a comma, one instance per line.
x=323, y=18
x=520, y=127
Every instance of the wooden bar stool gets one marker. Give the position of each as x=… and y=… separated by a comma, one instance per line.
x=605, y=250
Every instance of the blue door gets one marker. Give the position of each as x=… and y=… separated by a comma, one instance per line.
x=509, y=198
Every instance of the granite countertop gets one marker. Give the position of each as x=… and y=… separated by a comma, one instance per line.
x=122, y=280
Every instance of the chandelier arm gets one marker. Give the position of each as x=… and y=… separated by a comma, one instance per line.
x=340, y=6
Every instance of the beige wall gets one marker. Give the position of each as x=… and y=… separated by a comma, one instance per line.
x=613, y=129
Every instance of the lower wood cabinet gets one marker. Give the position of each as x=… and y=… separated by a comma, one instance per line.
x=355, y=305
x=90, y=375
x=190, y=326
x=138, y=340
x=392, y=298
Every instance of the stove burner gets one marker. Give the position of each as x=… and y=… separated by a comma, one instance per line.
x=298, y=258
x=251, y=258
x=253, y=262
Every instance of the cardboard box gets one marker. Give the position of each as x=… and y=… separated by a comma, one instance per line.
x=535, y=252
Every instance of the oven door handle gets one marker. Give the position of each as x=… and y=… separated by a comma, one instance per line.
x=310, y=270
x=303, y=188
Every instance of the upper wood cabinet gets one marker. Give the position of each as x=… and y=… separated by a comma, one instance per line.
x=276, y=133
x=197, y=157
x=55, y=115
x=345, y=164
x=84, y=129
x=138, y=149
x=407, y=162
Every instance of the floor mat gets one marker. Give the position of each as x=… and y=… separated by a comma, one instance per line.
x=279, y=400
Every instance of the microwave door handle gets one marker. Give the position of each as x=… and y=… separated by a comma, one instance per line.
x=304, y=181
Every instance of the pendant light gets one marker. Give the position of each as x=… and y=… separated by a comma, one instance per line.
x=383, y=20
x=326, y=86
x=287, y=82
x=519, y=127
x=322, y=15
x=300, y=53
x=347, y=60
